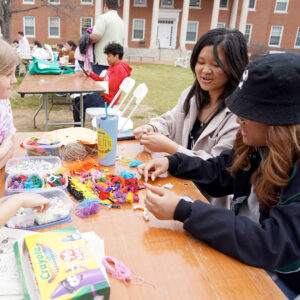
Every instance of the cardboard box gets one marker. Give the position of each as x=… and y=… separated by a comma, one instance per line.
x=63, y=267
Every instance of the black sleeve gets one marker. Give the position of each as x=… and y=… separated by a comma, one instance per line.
x=211, y=175
x=273, y=244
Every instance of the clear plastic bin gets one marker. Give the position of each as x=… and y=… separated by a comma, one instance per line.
x=33, y=164
x=59, y=210
x=46, y=147
x=9, y=190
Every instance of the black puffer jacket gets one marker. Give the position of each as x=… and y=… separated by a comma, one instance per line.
x=273, y=243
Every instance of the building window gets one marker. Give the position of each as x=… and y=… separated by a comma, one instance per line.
x=54, y=1
x=140, y=3
x=85, y=23
x=195, y=3
x=275, y=36
x=248, y=31
x=29, y=26
x=86, y=2
x=167, y=3
x=221, y=25
x=138, y=31
x=192, y=32
x=281, y=6
x=252, y=4
x=297, y=42
x=28, y=1
x=53, y=27
x=224, y=4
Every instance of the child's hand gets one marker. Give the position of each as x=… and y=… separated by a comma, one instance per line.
x=31, y=200
x=161, y=202
x=88, y=72
x=153, y=168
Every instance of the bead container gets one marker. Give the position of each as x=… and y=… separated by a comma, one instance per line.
x=42, y=147
x=59, y=211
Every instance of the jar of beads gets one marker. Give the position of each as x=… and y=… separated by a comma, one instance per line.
x=42, y=146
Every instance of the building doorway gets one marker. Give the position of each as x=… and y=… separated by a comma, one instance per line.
x=166, y=35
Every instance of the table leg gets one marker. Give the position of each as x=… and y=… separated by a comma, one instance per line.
x=45, y=99
x=81, y=110
x=41, y=101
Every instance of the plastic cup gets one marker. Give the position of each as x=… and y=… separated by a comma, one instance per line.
x=107, y=132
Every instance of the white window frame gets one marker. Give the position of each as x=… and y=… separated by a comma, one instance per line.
x=254, y=7
x=91, y=18
x=281, y=11
x=28, y=2
x=221, y=25
x=250, y=32
x=195, y=7
x=166, y=5
x=140, y=4
x=196, y=36
x=49, y=22
x=144, y=26
x=281, y=33
x=54, y=3
x=83, y=2
x=297, y=37
x=24, y=26
x=224, y=8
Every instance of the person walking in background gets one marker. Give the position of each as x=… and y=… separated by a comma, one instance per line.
x=200, y=124
x=23, y=44
x=109, y=28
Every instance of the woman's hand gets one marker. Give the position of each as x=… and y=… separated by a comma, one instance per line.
x=161, y=202
x=157, y=142
x=138, y=132
x=154, y=168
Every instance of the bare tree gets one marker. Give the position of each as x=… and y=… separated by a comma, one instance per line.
x=6, y=12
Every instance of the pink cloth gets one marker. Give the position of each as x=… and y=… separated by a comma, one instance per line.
x=87, y=58
x=7, y=127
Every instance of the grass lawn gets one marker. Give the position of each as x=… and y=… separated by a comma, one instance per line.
x=165, y=84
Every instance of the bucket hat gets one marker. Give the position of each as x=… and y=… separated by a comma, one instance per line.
x=269, y=90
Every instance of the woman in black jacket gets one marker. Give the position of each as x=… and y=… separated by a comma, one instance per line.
x=262, y=171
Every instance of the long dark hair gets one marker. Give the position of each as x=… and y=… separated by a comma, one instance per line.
x=37, y=43
x=72, y=44
x=234, y=46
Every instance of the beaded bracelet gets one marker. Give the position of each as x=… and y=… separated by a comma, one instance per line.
x=153, y=127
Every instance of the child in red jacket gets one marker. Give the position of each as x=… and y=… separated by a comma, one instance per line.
x=116, y=73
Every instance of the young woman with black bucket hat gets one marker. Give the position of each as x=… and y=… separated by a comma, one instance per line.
x=262, y=228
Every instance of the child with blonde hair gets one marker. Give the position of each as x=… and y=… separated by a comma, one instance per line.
x=8, y=62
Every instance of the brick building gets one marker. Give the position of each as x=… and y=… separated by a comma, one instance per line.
x=156, y=25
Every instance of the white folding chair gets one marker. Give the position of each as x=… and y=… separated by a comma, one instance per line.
x=125, y=123
x=49, y=50
x=125, y=87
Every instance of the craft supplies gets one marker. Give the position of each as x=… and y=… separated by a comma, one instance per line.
x=135, y=163
x=168, y=186
x=42, y=146
x=23, y=182
x=144, y=210
x=77, y=151
x=108, y=189
x=85, y=211
x=118, y=270
x=57, y=179
x=58, y=212
x=33, y=164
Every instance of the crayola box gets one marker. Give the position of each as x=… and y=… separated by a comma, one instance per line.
x=63, y=267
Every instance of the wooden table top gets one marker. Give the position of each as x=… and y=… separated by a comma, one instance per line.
x=161, y=252
x=64, y=83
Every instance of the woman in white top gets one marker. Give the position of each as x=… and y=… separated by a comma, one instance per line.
x=38, y=51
